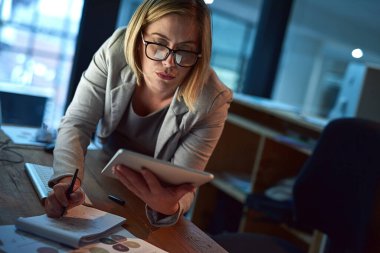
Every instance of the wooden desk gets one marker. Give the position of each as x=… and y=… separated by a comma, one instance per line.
x=18, y=198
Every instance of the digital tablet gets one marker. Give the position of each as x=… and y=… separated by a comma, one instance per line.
x=164, y=170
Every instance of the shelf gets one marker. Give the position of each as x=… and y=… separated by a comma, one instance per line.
x=303, y=146
x=237, y=186
x=276, y=116
x=261, y=144
x=251, y=126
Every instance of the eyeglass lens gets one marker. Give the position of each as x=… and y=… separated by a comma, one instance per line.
x=160, y=53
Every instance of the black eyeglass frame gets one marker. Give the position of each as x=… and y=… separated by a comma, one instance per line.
x=170, y=51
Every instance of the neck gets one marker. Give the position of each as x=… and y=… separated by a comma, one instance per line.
x=146, y=101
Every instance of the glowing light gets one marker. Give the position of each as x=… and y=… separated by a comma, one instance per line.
x=6, y=11
x=357, y=53
x=209, y=1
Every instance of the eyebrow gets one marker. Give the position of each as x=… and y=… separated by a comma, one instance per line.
x=181, y=43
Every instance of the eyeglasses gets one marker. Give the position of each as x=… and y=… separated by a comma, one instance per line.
x=158, y=52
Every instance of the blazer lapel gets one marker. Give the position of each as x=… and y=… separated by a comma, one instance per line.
x=170, y=129
x=120, y=98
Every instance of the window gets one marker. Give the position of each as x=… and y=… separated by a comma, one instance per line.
x=234, y=25
x=37, y=44
x=317, y=53
x=232, y=47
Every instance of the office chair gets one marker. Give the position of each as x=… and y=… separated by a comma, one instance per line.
x=336, y=192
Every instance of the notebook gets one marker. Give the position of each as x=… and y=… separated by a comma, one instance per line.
x=81, y=225
x=39, y=175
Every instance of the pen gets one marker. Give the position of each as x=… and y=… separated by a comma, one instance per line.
x=116, y=199
x=70, y=189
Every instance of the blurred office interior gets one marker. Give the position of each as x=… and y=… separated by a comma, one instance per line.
x=310, y=58
x=302, y=67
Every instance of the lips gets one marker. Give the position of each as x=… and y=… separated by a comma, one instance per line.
x=165, y=76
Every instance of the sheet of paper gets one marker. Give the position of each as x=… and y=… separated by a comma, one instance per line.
x=12, y=240
x=118, y=240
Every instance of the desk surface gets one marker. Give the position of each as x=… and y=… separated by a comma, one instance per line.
x=18, y=198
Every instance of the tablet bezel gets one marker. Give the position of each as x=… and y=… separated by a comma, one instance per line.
x=164, y=170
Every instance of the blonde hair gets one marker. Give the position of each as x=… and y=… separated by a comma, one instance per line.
x=152, y=10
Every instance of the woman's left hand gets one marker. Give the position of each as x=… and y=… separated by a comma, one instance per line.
x=163, y=199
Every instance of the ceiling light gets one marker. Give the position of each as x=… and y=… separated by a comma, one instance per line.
x=357, y=53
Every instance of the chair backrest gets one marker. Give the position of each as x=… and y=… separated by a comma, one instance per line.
x=338, y=189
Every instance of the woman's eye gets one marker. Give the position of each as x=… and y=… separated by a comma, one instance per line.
x=162, y=43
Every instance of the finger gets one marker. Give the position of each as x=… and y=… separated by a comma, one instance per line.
x=60, y=193
x=132, y=180
x=122, y=175
x=53, y=207
x=76, y=198
x=181, y=190
x=152, y=181
x=76, y=185
x=127, y=172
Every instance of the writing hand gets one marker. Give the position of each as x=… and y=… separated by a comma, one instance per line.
x=58, y=201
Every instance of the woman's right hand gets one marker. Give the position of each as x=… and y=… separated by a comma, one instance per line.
x=57, y=202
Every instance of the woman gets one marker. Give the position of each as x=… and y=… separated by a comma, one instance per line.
x=150, y=89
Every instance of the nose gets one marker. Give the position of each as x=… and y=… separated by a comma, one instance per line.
x=170, y=61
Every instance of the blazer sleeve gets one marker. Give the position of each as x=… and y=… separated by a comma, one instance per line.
x=197, y=145
x=82, y=116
